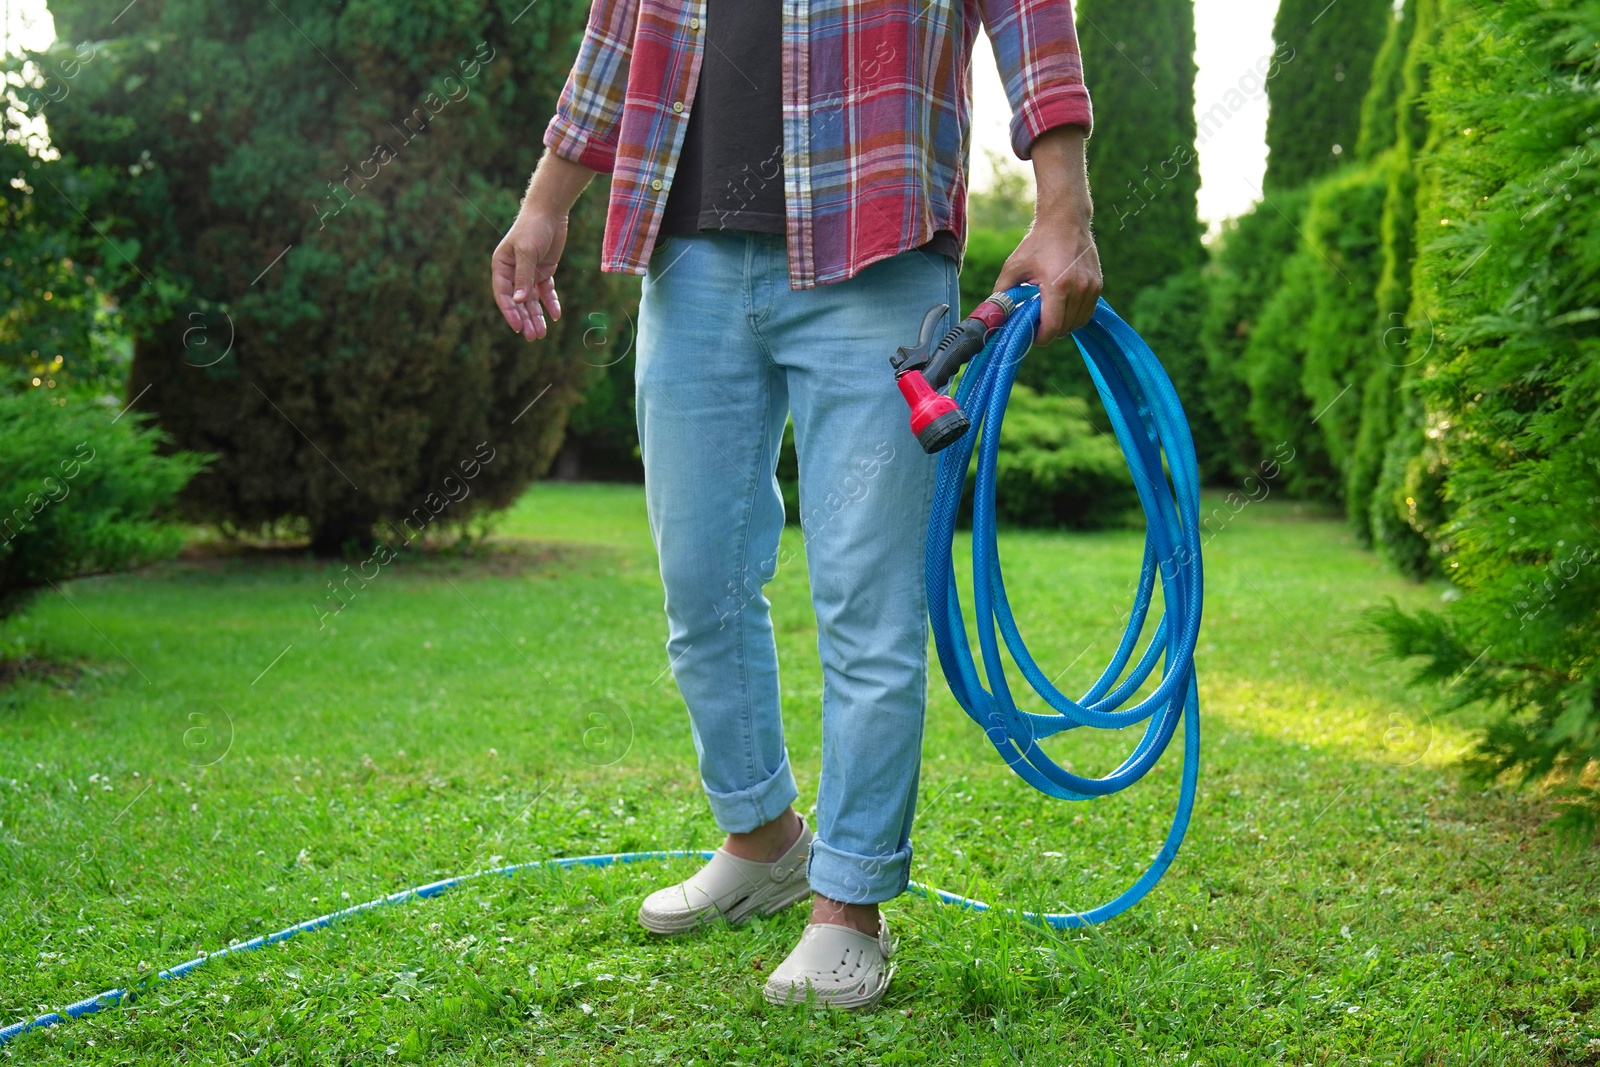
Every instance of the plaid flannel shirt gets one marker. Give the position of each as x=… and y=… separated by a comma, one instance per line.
x=876, y=114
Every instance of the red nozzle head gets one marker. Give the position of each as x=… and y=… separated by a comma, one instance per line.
x=936, y=419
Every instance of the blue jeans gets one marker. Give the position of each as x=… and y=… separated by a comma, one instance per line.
x=727, y=351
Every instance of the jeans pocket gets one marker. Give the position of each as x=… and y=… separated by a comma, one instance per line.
x=663, y=251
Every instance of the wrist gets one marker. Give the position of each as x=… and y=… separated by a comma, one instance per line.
x=1061, y=178
x=1063, y=210
x=555, y=186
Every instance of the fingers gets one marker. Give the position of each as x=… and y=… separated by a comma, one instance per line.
x=511, y=291
x=500, y=275
x=547, y=296
x=1088, y=300
x=1052, y=312
x=525, y=295
x=540, y=302
x=1077, y=291
x=1077, y=308
x=1021, y=267
x=525, y=272
x=524, y=287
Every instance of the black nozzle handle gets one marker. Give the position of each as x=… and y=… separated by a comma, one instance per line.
x=915, y=357
x=959, y=345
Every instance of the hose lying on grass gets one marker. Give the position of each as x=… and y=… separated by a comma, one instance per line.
x=1150, y=425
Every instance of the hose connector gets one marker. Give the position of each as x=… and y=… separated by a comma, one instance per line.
x=968, y=338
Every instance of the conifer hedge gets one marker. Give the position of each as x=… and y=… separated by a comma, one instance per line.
x=1508, y=275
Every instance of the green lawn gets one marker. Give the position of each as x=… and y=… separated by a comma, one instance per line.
x=221, y=768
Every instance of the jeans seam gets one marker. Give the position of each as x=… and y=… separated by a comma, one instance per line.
x=748, y=719
x=924, y=666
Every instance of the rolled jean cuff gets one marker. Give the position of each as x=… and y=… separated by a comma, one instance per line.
x=852, y=879
x=743, y=811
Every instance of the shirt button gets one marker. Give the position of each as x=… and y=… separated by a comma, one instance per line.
x=677, y=106
x=694, y=24
x=656, y=185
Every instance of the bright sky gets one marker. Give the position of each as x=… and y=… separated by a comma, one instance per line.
x=1232, y=37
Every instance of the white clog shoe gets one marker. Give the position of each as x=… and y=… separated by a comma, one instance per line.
x=733, y=888
x=842, y=966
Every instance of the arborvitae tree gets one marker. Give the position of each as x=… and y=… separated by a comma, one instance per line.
x=1307, y=358
x=1245, y=270
x=1509, y=276
x=1395, y=481
x=1343, y=231
x=1388, y=85
x=1138, y=57
x=1377, y=148
x=1274, y=357
x=320, y=189
x=1315, y=113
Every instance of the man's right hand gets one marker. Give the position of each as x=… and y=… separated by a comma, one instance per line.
x=524, y=265
x=524, y=270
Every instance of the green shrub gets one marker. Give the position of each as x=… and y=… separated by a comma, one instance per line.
x=1314, y=345
x=80, y=492
x=1342, y=228
x=1055, y=467
x=1171, y=317
x=1388, y=82
x=329, y=220
x=602, y=438
x=1314, y=120
x=1392, y=486
x=1509, y=279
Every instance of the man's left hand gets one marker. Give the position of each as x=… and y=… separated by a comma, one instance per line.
x=1058, y=254
x=1060, y=258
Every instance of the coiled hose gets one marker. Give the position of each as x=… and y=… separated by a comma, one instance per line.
x=1149, y=424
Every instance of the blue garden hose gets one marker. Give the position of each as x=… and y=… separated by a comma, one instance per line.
x=112, y=997
x=1148, y=420
x=1149, y=424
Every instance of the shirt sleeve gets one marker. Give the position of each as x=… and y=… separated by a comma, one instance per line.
x=1036, y=49
x=584, y=127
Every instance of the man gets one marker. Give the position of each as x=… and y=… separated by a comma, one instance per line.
x=789, y=176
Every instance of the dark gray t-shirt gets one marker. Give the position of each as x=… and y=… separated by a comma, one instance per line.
x=730, y=170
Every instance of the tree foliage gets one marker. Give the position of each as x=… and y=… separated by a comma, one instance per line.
x=1315, y=342
x=1315, y=113
x=1394, y=483
x=1056, y=467
x=1143, y=167
x=1246, y=269
x=1171, y=319
x=1508, y=274
x=60, y=325
x=324, y=187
